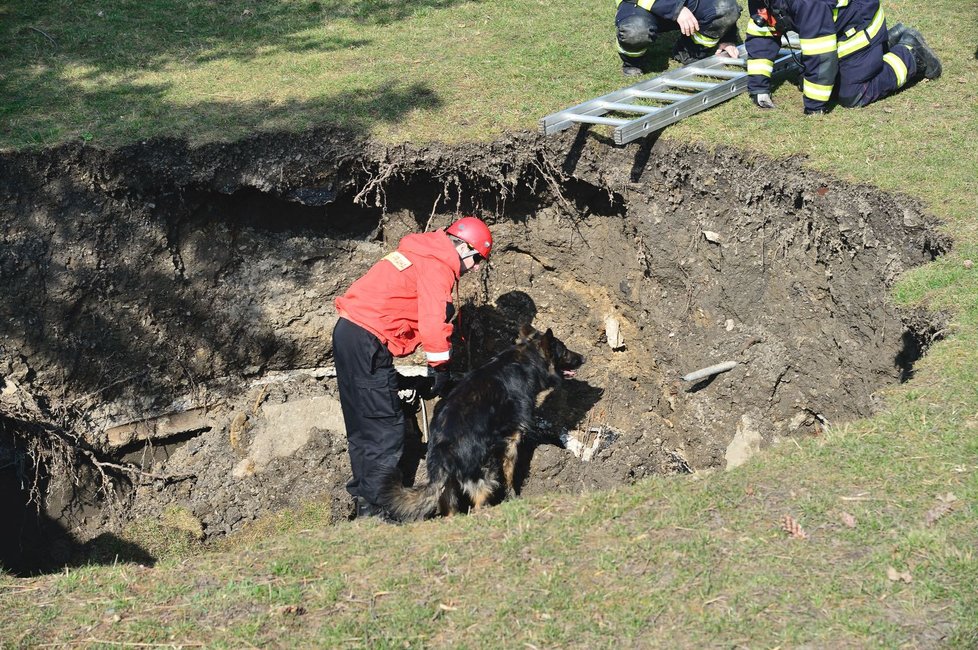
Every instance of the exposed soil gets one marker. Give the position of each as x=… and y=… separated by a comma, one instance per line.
x=171, y=308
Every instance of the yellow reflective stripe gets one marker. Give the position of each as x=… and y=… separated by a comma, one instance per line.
x=705, y=41
x=899, y=67
x=820, y=45
x=763, y=67
x=854, y=44
x=861, y=40
x=842, y=3
x=646, y=4
x=754, y=30
x=818, y=92
x=877, y=24
x=634, y=55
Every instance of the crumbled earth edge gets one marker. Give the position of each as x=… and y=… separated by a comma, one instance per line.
x=167, y=310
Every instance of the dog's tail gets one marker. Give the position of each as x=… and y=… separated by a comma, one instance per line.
x=410, y=503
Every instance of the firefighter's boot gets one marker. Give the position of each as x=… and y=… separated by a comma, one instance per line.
x=893, y=35
x=927, y=62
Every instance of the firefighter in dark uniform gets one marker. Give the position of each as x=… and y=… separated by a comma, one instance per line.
x=846, y=51
x=404, y=301
x=706, y=27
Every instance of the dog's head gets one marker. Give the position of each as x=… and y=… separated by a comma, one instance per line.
x=562, y=361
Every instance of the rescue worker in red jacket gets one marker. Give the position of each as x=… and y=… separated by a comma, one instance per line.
x=703, y=24
x=402, y=302
x=846, y=51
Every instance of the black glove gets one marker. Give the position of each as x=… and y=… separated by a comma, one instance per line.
x=440, y=383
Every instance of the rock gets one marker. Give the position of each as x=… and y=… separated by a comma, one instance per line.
x=612, y=330
x=159, y=428
x=746, y=442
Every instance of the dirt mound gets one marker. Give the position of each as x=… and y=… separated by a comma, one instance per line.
x=171, y=308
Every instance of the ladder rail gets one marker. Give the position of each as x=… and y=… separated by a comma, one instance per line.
x=730, y=79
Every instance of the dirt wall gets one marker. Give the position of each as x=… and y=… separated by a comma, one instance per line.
x=171, y=307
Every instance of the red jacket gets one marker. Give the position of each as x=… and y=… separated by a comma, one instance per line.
x=405, y=299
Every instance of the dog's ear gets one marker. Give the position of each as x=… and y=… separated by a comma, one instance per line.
x=547, y=341
x=526, y=333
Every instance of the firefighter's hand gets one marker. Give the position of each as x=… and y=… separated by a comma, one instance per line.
x=688, y=24
x=763, y=100
x=728, y=49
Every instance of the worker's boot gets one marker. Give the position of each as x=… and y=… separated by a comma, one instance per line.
x=631, y=68
x=927, y=62
x=635, y=66
x=893, y=35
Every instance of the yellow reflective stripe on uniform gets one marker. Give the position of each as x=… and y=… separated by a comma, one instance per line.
x=634, y=55
x=754, y=30
x=899, y=67
x=820, y=45
x=763, y=67
x=861, y=40
x=842, y=3
x=646, y=4
x=877, y=24
x=705, y=41
x=818, y=92
x=854, y=44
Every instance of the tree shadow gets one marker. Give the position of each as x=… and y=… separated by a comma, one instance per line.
x=108, y=46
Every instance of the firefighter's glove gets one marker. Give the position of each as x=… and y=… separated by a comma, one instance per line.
x=440, y=383
x=763, y=100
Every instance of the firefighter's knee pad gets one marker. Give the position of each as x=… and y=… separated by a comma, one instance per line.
x=727, y=13
x=636, y=33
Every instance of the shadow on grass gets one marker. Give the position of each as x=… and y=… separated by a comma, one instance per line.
x=155, y=33
x=100, y=44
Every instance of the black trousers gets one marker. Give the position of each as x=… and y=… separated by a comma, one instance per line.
x=375, y=423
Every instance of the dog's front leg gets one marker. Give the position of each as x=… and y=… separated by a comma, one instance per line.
x=509, y=459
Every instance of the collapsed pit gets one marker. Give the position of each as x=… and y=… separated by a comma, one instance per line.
x=168, y=311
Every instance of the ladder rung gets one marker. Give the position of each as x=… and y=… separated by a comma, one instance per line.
x=715, y=72
x=686, y=83
x=662, y=97
x=629, y=108
x=596, y=119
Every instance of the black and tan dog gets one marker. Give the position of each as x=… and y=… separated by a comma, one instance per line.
x=477, y=427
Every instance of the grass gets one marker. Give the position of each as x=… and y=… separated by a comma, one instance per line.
x=670, y=561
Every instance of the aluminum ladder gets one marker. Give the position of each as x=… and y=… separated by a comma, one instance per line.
x=671, y=96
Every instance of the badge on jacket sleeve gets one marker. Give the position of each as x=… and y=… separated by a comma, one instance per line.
x=398, y=260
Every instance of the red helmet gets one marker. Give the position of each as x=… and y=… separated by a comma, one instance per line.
x=474, y=232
